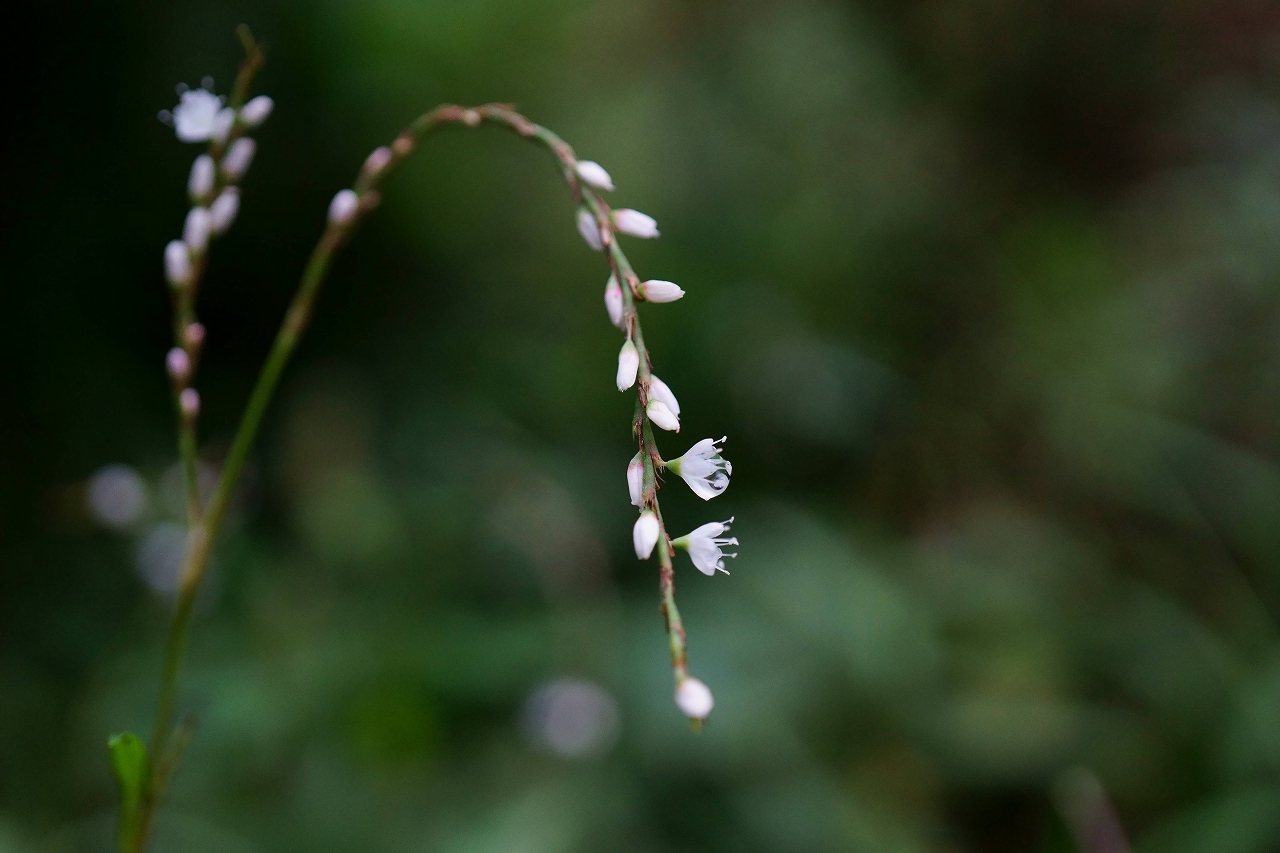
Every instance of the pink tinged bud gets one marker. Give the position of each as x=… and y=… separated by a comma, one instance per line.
x=343, y=207
x=628, y=364
x=645, y=534
x=613, y=301
x=658, y=390
x=189, y=402
x=635, y=223
x=590, y=229
x=200, y=182
x=256, y=111
x=193, y=335
x=224, y=209
x=662, y=416
x=195, y=231
x=635, y=480
x=657, y=290
x=694, y=699
x=222, y=124
x=178, y=363
x=177, y=263
x=237, y=159
x=376, y=161
x=594, y=174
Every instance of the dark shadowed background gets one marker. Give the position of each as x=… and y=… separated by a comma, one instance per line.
x=985, y=294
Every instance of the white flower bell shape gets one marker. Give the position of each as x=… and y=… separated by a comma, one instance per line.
x=703, y=468
x=705, y=546
x=645, y=534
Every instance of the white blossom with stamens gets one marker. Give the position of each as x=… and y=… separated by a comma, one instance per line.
x=657, y=290
x=628, y=364
x=613, y=300
x=237, y=159
x=594, y=174
x=199, y=116
x=177, y=263
x=224, y=209
x=256, y=111
x=662, y=416
x=645, y=534
x=635, y=480
x=694, y=699
x=703, y=468
x=659, y=390
x=590, y=229
x=343, y=207
x=705, y=546
x=200, y=182
x=195, y=231
x=635, y=223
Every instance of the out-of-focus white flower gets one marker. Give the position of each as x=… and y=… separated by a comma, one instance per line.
x=694, y=699
x=705, y=546
x=635, y=223
x=628, y=364
x=343, y=207
x=178, y=363
x=703, y=468
x=200, y=182
x=657, y=290
x=594, y=174
x=195, y=231
x=635, y=480
x=662, y=416
x=237, y=159
x=376, y=161
x=189, y=401
x=590, y=229
x=199, y=116
x=645, y=534
x=613, y=300
x=116, y=496
x=224, y=209
x=572, y=718
x=193, y=334
x=659, y=390
x=177, y=263
x=256, y=111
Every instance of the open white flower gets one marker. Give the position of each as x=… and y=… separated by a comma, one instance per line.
x=661, y=416
x=635, y=480
x=590, y=229
x=705, y=546
x=660, y=391
x=635, y=223
x=645, y=534
x=694, y=699
x=594, y=174
x=613, y=301
x=657, y=290
x=703, y=468
x=199, y=116
x=628, y=364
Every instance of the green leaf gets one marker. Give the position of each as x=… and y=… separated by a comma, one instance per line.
x=132, y=769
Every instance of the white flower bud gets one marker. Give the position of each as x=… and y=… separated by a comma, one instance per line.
x=177, y=263
x=237, y=159
x=628, y=364
x=193, y=335
x=178, y=363
x=613, y=301
x=256, y=111
x=224, y=209
x=222, y=123
x=662, y=416
x=645, y=534
x=594, y=174
x=376, y=161
x=635, y=223
x=658, y=390
x=694, y=699
x=657, y=290
x=635, y=480
x=189, y=402
x=343, y=207
x=590, y=229
x=200, y=183
x=195, y=231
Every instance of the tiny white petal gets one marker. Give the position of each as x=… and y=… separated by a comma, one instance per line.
x=628, y=364
x=594, y=174
x=659, y=390
x=635, y=480
x=177, y=263
x=256, y=111
x=201, y=179
x=645, y=534
x=613, y=301
x=657, y=290
x=238, y=157
x=694, y=699
x=195, y=231
x=662, y=416
x=590, y=229
x=635, y=223
x=224, y=209
x=343, y=207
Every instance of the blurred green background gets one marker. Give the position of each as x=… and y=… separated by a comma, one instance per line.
x=985, y=294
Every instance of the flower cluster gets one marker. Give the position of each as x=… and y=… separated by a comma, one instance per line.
x=702, y=467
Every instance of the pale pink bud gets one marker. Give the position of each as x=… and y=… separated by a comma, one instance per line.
x=189, y=402
x=178, y=363
x=594, y=174
x=613, y=301
x=635, y=480
x=222, y=124
x=662, y=416
x=659, y=390
x=645, y=534
x=657, y=290
x=193, y=335
x=628, y=364
x=376, y=161
x=224, y=209
x=195, y=231
x=343, y=207
x=177, y=263
x=200, y=182
x=635, y=223
x=694, y=699
x=590, y=229
x=237, y=159
x=256, y=111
